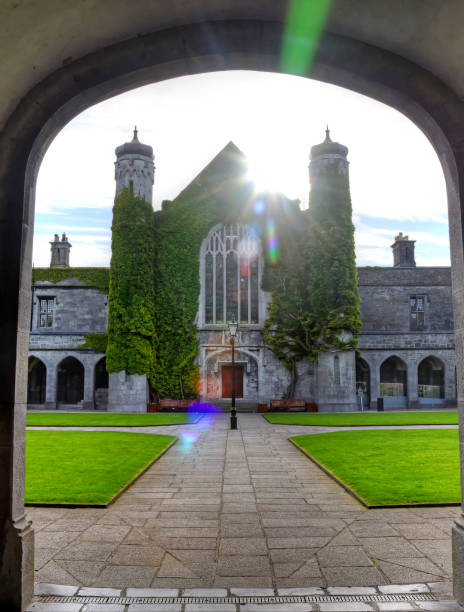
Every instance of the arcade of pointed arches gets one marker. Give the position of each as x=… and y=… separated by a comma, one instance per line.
x=57, y=381
x=405, y=382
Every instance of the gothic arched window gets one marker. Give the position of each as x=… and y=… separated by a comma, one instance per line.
x=231, y=275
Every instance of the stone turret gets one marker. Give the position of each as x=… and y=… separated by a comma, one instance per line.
x=403, y=252
x=60, y=252
x=325, y=154
x=335, y=381
x=134, y=168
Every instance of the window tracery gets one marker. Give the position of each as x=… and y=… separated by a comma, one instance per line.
x=231, y=275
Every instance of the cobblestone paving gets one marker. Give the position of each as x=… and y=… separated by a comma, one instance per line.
x=240, y=509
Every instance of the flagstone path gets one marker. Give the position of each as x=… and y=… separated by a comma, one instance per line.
x=240, y=509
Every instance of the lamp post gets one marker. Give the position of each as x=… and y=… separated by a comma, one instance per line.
x=233, y=326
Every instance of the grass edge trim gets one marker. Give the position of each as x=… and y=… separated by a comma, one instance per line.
x=360, y=499
x=115, y=496
x=84, y=427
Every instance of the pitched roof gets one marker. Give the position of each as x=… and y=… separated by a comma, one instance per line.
x=227, y=166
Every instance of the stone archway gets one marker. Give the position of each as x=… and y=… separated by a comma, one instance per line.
x=431, y=380
x=70, y=387
x=187, y=49
x=36, y=381
x=394, y=381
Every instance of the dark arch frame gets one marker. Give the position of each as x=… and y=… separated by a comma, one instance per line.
x=187, y=49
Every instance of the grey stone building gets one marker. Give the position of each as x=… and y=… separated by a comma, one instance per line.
x=406, y=348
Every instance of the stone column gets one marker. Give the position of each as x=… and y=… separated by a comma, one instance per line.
x=449, y=383
x=412, y=390
x=375, y=383
x=51, y=386
x=16, y=534
x=335, y=381
x=127, y=392
x=89, y=385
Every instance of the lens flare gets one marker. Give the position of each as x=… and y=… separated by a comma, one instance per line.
x=272, y=242
x=259, y=206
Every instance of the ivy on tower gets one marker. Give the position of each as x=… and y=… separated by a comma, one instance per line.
x=332, y=287
x=131, y=329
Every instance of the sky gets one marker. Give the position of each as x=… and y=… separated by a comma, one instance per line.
x=396, y=180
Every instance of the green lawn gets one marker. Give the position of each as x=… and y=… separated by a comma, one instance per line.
x=105, y=419
x=353, y=419
x=391, y=466
x=86, y=467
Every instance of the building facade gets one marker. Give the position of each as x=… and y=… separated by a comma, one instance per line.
x=406, y=347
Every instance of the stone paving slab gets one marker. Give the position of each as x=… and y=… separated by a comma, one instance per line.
x=240, y=509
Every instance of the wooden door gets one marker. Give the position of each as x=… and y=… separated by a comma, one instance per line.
x=227, y=381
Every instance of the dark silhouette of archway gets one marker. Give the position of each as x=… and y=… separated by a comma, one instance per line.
x=70, y=389
x=36, y=381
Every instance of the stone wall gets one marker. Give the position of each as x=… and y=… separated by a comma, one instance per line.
x=385, y=298
x=77, y=308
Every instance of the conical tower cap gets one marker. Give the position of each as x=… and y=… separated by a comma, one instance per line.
x=135, y=147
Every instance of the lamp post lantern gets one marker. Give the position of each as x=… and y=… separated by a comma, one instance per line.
x=233, y=326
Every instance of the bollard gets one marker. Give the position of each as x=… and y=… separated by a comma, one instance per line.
x=380, y=404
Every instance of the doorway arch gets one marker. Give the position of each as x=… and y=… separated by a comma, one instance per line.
x=187, y=49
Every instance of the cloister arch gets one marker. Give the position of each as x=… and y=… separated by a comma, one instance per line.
x=36, y=381
x=431, y=380
x=394, y=381
x=70, y=387
x=101, y=385
x=190, y=48
x=363, y=382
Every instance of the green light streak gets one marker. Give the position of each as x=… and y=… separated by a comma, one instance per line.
x=304, y=26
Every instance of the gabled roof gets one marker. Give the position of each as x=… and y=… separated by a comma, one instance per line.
x=228, y=166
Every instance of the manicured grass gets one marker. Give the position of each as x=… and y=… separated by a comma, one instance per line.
x=391, y=466
x=85, y=467
x=106, y=419
x=354, y=419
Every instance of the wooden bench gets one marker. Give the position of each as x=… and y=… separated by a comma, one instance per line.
x=292, y=405
x=171, y=405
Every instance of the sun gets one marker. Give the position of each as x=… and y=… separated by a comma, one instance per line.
x=267, y=174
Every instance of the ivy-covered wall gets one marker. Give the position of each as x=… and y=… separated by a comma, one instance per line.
x=180, y=227
x=333, y=285
x=91, y=277
x=155, y=274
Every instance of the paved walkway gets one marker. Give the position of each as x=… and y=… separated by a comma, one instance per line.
x=240, y=509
